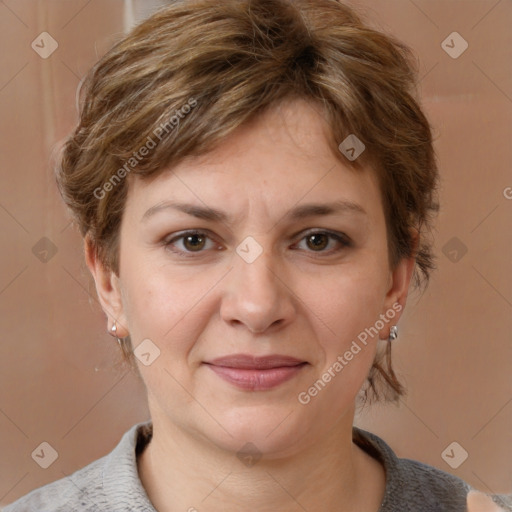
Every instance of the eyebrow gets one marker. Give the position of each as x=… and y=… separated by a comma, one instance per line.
x=297, y=213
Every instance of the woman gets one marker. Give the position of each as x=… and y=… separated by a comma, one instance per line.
x=255, y=184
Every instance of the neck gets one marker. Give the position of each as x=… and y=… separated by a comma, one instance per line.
x=182, y=472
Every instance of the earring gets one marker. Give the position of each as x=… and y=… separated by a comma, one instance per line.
x=393, y=333
x=113, y=332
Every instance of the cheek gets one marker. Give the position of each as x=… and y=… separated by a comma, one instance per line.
x=169, y=311
x=348, y=302
x=347, y=307
x=350, y=311
x=159, y=303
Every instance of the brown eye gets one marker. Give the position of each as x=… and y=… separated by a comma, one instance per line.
x=324, y=242
x=317, y=241
x=194, y=242
x=190, y=242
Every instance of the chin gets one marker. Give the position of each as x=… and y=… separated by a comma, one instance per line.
x=273, y=431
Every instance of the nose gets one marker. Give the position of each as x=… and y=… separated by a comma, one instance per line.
x=258, y=296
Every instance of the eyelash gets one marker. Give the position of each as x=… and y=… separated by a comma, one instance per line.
x=341, y=238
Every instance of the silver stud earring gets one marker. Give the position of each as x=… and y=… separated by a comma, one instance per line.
x=393, y=333
x=113, y=332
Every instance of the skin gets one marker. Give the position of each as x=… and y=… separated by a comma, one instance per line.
x=478, y=502
x=294, y=299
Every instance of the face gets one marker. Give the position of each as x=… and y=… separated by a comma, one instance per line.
x=268, y=246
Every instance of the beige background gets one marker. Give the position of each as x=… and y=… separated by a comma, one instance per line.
x=57, y=378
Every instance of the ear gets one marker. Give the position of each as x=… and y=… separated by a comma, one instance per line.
x=399, y=282
x=108, y=288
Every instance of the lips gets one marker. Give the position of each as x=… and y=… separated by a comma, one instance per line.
x=248, y=362
x=251, y=373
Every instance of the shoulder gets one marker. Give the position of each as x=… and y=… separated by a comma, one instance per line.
x=413, y=485
x=78, y=491
x=109, y=483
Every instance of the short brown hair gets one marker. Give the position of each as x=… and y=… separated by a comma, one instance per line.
x=202, y=68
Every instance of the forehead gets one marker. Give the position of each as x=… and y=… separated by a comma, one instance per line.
x=277, y=160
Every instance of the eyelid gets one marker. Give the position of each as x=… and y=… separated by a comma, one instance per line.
x=319, y=231
x=186, y=232
x=180, y=235
x=341, y=238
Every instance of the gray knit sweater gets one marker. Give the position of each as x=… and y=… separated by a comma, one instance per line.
x=112, y=484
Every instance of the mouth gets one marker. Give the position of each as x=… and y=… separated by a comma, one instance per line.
x=256, y=373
